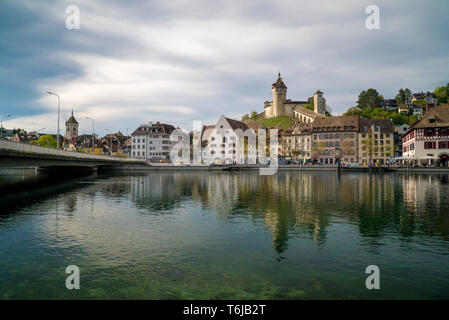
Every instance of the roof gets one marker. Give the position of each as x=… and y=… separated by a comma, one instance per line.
x=279, y=83
x=308, y=112
x=338, y=121
x=437, y=117
x=86, y=139
x=153, y=129
x=72, y=120
x=235, y=124
x=205, y=133
x=300, y=128
x=385, y=125
x=422, y=95
x=288, y=101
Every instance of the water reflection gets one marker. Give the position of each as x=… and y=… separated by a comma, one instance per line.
x=289, y=204
x=224, y=229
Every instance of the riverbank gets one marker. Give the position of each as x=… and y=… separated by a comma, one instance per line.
x=246, y=167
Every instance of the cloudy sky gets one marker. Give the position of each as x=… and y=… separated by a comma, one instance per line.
x=177, y=61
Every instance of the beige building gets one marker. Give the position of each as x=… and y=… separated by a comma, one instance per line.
x=296, y=143
x=376, y=141
x=345, y=139
x=335, y=139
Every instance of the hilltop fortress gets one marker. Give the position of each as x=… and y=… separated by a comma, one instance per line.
x=281, y=106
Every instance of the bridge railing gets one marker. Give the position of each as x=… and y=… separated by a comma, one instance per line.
x=30, y=148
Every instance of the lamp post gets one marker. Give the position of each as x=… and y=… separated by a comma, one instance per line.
x=1, y=125
x=59, y=105
x=93, y=133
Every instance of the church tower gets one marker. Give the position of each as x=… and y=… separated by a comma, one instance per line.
x=279, y=95
x=71, y=128
x=319, y=103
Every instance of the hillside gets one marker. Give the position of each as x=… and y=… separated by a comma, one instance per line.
x=282, y=121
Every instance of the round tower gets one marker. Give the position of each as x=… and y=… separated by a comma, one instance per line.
x=71, y=128
x=279, y=95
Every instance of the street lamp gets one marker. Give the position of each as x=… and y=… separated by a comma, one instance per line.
x=93, y=133
x=59, y=104
x=1, y=126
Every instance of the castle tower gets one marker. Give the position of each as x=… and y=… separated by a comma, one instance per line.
x=71, y=128
x=279, y=95
x=319, y=103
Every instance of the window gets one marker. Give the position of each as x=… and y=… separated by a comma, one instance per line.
x=429, y=145
x=443, y=145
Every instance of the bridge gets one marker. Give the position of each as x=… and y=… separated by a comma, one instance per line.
x=13, y=154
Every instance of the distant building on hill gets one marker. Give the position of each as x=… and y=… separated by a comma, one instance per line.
x=430, y=97
x=389, y=104
x=281, y=106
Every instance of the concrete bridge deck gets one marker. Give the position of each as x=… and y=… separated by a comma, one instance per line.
x=14, y=154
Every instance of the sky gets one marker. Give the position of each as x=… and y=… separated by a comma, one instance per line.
x=179, y=61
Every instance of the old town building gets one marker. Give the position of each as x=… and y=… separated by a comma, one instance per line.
x=335, y=139
x=296, y=142
x=427, y=140
x=376, y=141
x=230, y=141
x=151, y=141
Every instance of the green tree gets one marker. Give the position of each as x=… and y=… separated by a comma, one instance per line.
x=369, y=99
x=353, y=111
x=253, y=115
x=19, y=131
x=245, y=117
x=421, y=102
x=442, y=94
x=404, y=96
x=309, y=106
x=47, y=140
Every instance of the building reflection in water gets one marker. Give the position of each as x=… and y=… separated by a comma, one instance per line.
x=288, y=205
x=295, y=204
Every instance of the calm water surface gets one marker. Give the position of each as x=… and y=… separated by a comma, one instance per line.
x=191, y=235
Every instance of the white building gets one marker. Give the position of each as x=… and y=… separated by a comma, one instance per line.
x=229, y=141
x=152, y=141
x=427, y=140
